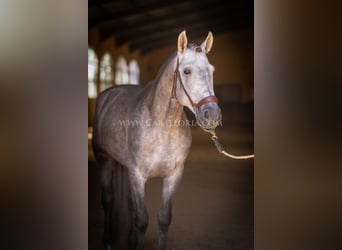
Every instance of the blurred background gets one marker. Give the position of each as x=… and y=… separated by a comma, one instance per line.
x=45, y=184
x=128, y=41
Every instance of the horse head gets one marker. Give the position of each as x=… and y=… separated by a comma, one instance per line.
x=193, y=83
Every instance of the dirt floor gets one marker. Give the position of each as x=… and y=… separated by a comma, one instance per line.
x=213, y=207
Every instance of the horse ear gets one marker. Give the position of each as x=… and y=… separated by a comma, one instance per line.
x=208, y=43
x=182, y=41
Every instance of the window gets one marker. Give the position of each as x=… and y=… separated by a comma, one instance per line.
x=106, y=72
x=121, y=76
x=134, y=72
x=92, y=73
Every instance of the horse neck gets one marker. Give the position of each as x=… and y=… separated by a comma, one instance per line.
x=164, y=107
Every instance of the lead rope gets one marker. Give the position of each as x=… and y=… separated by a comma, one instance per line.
x=219, y=148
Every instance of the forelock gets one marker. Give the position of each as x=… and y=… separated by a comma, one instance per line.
x=194, y=47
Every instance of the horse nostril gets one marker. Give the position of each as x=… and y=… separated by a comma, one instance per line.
x=206, y=114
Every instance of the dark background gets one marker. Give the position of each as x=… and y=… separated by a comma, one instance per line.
x=43, y=143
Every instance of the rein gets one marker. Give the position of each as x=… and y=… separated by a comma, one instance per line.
x=207, y=99
x=214, y=137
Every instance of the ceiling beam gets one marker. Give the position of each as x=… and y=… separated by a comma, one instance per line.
x=190, y=14
x=209, y=17
x=135, y=9
x=172, y=11
x=149, y=25
x=157, y=34
x=192, y=34
x=172, y=34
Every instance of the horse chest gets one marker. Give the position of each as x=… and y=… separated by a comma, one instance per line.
x=161, y=159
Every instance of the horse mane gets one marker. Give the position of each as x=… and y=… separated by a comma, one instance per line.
x=165, y=64
x=194, y=47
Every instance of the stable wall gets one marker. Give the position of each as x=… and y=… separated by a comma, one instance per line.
x=231, y=54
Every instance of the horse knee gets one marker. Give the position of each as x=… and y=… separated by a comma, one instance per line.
x=107, y=196
x=107, y=189
x=141, y=220
x=164, y=218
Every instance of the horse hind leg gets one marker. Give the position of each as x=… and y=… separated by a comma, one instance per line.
x=138, y=211
x=106, y=176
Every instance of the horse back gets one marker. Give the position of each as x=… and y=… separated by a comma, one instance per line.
x=114, y=94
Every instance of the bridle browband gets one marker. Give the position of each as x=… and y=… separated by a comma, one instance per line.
x=176, y=75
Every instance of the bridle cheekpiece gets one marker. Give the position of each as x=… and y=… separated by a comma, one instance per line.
x=205, y=100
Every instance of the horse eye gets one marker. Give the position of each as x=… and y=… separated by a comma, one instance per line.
x=187, y=71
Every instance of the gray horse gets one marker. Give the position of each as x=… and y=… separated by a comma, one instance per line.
x=145, y=129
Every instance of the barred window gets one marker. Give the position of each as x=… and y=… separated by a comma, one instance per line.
x=121, y=72
x=134, y=72
x=106, y=72
x=92, y=73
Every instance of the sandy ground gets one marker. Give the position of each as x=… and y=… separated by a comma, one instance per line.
x=213, y=207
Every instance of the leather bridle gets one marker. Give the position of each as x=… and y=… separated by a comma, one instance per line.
x=207, y=99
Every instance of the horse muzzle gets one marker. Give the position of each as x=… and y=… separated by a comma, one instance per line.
x=209, y=116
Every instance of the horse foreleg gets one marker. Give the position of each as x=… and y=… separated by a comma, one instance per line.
x=138, y=212
x=107, y=200
x=165, y=213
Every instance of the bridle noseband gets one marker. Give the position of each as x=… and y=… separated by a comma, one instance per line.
x=207, y=99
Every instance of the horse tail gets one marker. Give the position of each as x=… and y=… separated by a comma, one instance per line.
x=121, y=206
